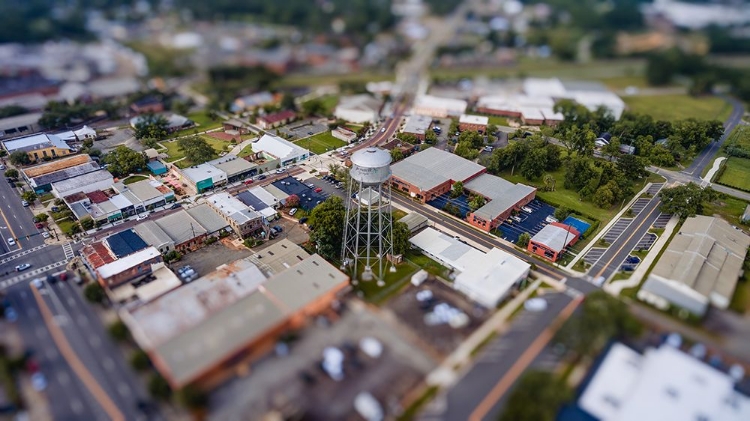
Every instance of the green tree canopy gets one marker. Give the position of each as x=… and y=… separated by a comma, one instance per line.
x=401, y=236
x=687, y=200
x=396, y=155
x=123, y=161
x=20, y=158
x=196, y=149
x=152, y=126
x=327, y=220
x=477, y=202
x=29, y=196
x=523, y=239
x=538, y=396
x=457, y=189
x=11, y=173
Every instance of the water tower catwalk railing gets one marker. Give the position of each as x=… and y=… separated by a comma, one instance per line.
x=368, y=234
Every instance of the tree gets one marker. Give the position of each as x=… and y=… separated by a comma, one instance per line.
x=401, y=236
x=453, y=127
x=139, y=360
x=292, y=201
x=158, y=387
x=632, y=166
x=523, y=240
x=334, y=169
x=457, y=189
x=408, y=138
x=549, y=182
x=537, y=397
x=287, y=102
x=118, y=331
x=11, y=173
x=685, y=201
x=491, y=129
x=86, y=223
x=41, y=217
x=313, y=107
x=94, y=292
x=477, y=202
x=123, y=161
x=151, y=126
x=534, y=164
x=471, y=137
x=578, y=173
x=20, y=158
x=604, y=196
x=196, y=149
x=327, y=219
x=29, y=196
x=466, y=150
x=562, y=212
x=430, y=137
x=192, y=398
x=396, y=155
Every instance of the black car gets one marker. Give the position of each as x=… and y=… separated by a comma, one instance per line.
x=175, y=206
x=303, y=220
x=261, y=177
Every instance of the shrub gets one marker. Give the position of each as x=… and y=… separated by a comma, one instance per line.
x=158, y=387
x=139, y=360
x=94, y=292
x=118, y=331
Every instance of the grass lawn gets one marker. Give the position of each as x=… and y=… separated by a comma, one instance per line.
x=246, y=151
x=46, y=197
x=66, y=225
x=332, y=79
x=398, y=214
x=321, y=143
x=424, y=262
x=135, y=179
x=741, y=298
x=596, y=69
x=622, y=82
x=329, y=103
x=728, y=207
x=204, y=122
x=497, y=120
x=676, y=107
x=736, y=174
x=394, y=281
x=175, y=153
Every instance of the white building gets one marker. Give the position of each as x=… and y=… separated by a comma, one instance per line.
x=243, y=220
x=439, y=107
x=79, y=135
x=86, y=183
x=486, y=278
x=358, y=109
x=662, y=384
x=274, y=147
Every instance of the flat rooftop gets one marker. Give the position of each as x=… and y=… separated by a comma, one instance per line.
x=502, y=194
x=432, y=167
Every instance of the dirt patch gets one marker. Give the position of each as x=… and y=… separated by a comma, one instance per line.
x=223, y=136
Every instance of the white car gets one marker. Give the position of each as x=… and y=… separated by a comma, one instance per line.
x=293, y=211
x=45, y=234
x=382, y=130
x=38, y=381
x=24, y=203
x=38, y=283
x=11, y=242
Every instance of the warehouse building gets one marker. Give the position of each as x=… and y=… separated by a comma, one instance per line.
x=417, y=125
x=41, y=177
x=700, y=266
x=502, y=196
x=552, y=240
x=438, y=107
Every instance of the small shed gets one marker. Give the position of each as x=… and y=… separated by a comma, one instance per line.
x=157, y=167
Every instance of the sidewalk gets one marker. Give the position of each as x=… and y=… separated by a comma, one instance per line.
x=717, y=164
x=446, y=373
x=616, y=287
x=606, y=228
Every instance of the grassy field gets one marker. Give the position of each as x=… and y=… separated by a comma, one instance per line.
x=204, y=122
x=398, y=214
x=316, y=80
x=394, y=281
x=426, y=263
x=175, y=153
x=622, y=82
x=736, y=174
x=497, y=120
x=675, y=107
x=135, y=179
x=728, y=207
x=321, y=143
x=246, y=151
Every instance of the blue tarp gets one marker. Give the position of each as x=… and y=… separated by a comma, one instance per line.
x=157, y=167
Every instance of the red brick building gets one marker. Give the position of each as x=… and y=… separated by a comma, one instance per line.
x=475, y=123
x=552, y=240
x=274, y=120
x=502, y=196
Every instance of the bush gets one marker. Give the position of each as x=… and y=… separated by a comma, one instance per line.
x=158, y=387
x=192, y=398
x=87, y=223
x=562, y=212
x=94, y=292
x=42, y=217
x=118, y=331
x=139, y=360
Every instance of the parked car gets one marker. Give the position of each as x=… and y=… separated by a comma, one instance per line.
x=38, y=283
x=11, y=242
x=311, y=185
x=45, y=234
x=22, y=267
x=292, y=211
x=280, y=171
x=261, y=177
x=318, y=190
x=303, y=220
x=382, y=130
x=248, y=182
x=278, y=228
x=38, y=381
x=39, y=225
x=25, y=203
x=55, y=209
x=175, y=206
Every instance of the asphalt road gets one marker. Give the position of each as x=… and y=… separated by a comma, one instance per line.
x=17, y=220
x=494, y=361
x=705, y=158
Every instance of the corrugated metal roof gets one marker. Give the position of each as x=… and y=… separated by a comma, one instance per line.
x=431, y=167
x=180, y=226
x=207, y=218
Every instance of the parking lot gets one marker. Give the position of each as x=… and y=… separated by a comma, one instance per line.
x=328, y=187
x=462, y=202
x=296, y=385
x=593, y=255
x=308, y=198
x=661, y=221
x=617, y=229
x=530, y=223
x=302, y=129
x=414, y=313
x=208, y=258
x=638, y=205
x=646, y=241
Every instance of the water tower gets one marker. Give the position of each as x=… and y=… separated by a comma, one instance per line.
x=368, y=233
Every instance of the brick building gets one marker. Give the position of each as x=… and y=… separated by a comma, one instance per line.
x=475, y=123
x=502, y=196
x=552, y=240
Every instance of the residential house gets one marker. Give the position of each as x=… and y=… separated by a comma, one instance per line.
x=39, y=147
x=358, y=109
x=271, y=121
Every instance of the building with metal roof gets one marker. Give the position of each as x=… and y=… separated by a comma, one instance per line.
x=209, y=219
x=43, y=182
x=486, y=278
x=415, y=221
x=57, y=165
x=662, y=383
x=503, y=197
x=39, y=146
x=417, y=125
x=243, y=220
x=700, y=266
x=19, y=125
x=129, y=268
x=236, y=168
x=358, y=109
x=186, y=233
x=233, y=314
x=439, y=107
x=278, y=257
x=145, y=194
x=200, y=178
x=152, y=234
x=476, y=123
x=274, y=147
x=430, y=173
x=85, y=183
x=552, y=240
x=746, y=215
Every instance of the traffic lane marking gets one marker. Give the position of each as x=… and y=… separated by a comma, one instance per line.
x=75, y=363
x=624, y=244
x=522, y=363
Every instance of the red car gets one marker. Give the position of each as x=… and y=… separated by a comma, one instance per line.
x=39, y=225
x=249, y=181
x=318, y=190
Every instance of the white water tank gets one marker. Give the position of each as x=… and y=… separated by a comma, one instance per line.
x=371, y=166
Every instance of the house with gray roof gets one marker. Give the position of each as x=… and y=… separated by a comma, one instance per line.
x=208, y=218
x=186, y=233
